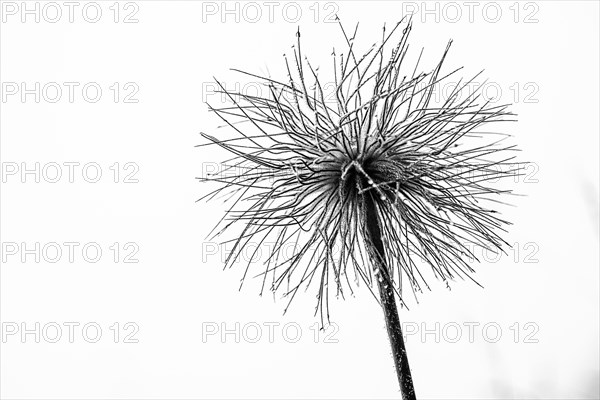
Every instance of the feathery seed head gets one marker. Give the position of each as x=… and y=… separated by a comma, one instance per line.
x=313, y=171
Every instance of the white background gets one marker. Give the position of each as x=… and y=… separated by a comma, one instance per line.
x=171, y=54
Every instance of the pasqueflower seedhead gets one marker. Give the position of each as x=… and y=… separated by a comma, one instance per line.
x=315, y=170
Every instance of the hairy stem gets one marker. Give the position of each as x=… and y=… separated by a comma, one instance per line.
x=388, y=302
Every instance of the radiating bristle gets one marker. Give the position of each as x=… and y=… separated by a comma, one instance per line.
x=306, y=164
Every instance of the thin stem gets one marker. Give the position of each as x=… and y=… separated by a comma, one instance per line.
x=388, y=302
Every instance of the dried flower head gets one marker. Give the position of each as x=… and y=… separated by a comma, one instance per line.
x=384, y=172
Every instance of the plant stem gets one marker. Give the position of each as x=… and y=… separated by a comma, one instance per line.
x=388, y=302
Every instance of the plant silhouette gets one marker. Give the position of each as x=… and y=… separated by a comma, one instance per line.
x=370, y=182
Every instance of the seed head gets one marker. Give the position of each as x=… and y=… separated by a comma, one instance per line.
x=307, y=164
